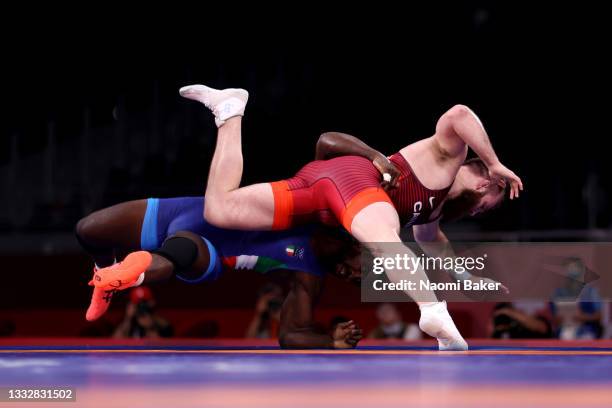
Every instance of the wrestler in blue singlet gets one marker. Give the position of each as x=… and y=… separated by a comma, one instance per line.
x=262, y=251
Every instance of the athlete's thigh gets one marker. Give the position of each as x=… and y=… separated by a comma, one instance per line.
x=250, y=207
x=118, y=226
x=375, y=223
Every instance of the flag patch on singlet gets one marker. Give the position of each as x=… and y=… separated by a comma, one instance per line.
x=292, y=250
x=253, y=262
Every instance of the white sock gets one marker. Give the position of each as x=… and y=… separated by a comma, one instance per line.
x=139, y=280
x=97, y=268
x=437, y=322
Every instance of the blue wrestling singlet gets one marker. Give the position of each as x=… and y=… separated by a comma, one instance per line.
x=262, y=251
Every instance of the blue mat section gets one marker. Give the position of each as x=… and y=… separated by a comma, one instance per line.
x=178, y=369
x=204, y=348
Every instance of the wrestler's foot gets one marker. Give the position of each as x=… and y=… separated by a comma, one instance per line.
x=100, y=301
x=436, y=322
x=124, y=274
x=224, y=103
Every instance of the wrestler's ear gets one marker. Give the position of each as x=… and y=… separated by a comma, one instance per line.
x=501, y=183
x=483, y=185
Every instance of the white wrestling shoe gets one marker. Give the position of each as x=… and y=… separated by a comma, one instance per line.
x=436, y=322
x=224, y=103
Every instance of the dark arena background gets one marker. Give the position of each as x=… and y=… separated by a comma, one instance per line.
x=91, y=117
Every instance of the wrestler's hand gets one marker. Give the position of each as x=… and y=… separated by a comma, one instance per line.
x=346, y=335
x=501, y=173
x=384, y=166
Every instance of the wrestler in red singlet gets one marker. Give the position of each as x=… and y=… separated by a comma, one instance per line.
x=336, y=190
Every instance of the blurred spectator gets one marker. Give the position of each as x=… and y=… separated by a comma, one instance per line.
x=140, y=319
x=521, y=320
x=576, y=306
x=392, y=326
x=265, y=322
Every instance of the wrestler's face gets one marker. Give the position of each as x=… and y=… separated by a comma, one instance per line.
x=339, y=253
x=483, y=194
x=349, y=268
x=491, y=196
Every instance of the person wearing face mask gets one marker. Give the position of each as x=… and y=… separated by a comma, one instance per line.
x=392, y=326
x=577, y=305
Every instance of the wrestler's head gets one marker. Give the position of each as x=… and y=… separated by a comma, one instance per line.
x=477, y=192
x=338, y=253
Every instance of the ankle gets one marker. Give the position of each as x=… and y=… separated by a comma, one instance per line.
x=427, y=305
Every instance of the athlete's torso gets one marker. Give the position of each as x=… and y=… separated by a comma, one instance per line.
x=414, y=202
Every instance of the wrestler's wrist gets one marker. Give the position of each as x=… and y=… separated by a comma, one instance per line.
x=375, y=155
x=341, y=344
x=491, y=161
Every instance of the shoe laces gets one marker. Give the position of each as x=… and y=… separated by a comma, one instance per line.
x=108, y=295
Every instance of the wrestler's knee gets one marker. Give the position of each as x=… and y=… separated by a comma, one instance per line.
x=220, y=210
x=212, y=211
x=87, y=228
x=202, y=258
x=194, y=258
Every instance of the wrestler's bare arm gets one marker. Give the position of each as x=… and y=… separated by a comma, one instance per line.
x=334, y=144
x=432, y=239
x=460, y=127
x=434, y=243
x=297, y=323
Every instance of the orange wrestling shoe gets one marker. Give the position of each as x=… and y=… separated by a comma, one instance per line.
x=100, y=301
x=124, y=274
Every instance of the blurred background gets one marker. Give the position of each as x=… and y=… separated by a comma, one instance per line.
x=91, y=116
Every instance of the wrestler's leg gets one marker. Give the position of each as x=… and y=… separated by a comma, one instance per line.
x=377, y=227
x=111, y=233
x=106, y=231
x=227, y=205
x=104, y=234
x=186, y=255
x=227, y=162
x=116, y=230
